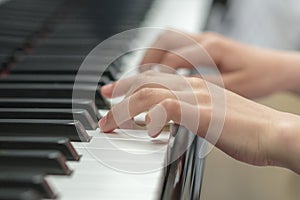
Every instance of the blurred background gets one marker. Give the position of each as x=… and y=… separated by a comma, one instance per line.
x=270, y=24
x=39, y=40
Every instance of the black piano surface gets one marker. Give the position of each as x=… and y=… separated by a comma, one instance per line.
x=42, y=45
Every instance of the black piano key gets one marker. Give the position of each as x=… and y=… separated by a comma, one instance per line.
x=73, y=27
x=31, y=180
x=71, y=49
x=15, y=31
x=112, y=72
x=71, y=129
x=79, y=33
x=19, y=17
x=85, y=104
x=4, y=20
x=47, y=78
x=40, y=143
x=18, y=13
x=58, y=42
x=55, y=64
x=46, y=69
x=48, y=61
x=4, y=60
x=51, y=68
x=42, y=161
x=112, y=49
x=22, y=193
x=31, y=5
x=43, y=113
x=18, y=23
x=10, y=44
x=59, y=91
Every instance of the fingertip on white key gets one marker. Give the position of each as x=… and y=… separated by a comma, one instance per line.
x=139, y=119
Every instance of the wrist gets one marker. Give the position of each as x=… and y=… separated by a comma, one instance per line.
x=290, y=66
x=284, y=143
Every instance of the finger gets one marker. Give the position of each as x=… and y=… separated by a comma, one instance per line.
x=151, y=79
x=152, y=57
x=117, y=88
x=205, y=36
x=180, y=112
x=192, y=93
x=132, y=106
x=176, y=40
x=189, y=89
x=187, y=57
x=123, y=85
x=143, y=100
x=167, y=41
x=215, y=47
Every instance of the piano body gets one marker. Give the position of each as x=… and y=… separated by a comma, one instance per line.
x=50, y=143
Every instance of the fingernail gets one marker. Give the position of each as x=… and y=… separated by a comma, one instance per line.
x=106, y=87
x=147, y=119
x=102, y=121
x=153, y=134
x=156, y=118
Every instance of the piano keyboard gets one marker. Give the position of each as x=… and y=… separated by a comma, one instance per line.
x=44, y=152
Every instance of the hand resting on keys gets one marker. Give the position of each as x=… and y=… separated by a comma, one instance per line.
x=252, y=133
x=247, y=70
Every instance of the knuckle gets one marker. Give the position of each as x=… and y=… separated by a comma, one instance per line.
x=212, y=40
x=145, y=93
x=162, y=40
x=206, y=112
x=170, y=56
x=203, y=97
x=171, y=59
x=210, y=35
x=140, y=81
x=196, y=82
x=170, y=104
x=147, y=73
x=213, y=43
x=172, y=107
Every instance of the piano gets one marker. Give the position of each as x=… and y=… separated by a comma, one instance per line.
x=50, y=143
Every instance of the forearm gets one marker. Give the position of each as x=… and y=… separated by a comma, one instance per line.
x=263, y=136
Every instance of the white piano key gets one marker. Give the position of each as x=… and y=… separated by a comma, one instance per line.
x=139, y=119
x=104, y=183
x=126, y=135
x=132, y=148
x=93, y=179
x=135, y=175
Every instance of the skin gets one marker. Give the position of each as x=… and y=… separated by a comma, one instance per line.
x=263, y=137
